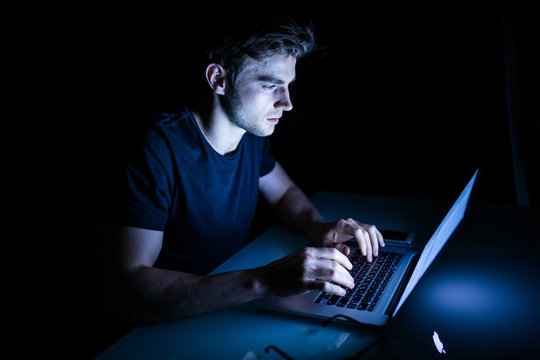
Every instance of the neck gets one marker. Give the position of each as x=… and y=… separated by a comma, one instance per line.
x=219, y=131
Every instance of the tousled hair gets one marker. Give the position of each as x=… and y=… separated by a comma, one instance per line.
x=283, y=36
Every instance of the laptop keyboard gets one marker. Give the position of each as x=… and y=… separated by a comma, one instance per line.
x=370, y=281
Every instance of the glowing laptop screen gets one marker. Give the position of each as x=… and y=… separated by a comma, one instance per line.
x=438, y=239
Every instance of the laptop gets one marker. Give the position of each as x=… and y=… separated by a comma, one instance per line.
x=381, y=287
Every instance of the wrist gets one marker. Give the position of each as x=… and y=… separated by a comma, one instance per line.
x=256, y=283
x=316, y=231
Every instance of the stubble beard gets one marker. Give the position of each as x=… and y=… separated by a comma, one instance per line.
x=232, y=104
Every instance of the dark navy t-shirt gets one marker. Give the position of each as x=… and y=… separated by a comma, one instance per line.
x=203, y=201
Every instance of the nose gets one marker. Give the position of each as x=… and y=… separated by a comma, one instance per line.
x=284, y=101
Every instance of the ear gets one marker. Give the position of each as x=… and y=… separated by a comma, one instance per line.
x=215, y=75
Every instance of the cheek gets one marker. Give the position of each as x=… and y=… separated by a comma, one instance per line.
x=253, y=99
x=257, y=101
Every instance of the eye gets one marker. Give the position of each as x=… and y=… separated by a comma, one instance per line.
x=269, y=86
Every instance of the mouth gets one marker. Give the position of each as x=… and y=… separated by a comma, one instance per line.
x=273, y=120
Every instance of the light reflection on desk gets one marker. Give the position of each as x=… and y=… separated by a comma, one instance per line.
x=472, y=306
x=476, y=293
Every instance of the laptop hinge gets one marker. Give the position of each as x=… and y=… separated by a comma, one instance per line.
x=404, y=281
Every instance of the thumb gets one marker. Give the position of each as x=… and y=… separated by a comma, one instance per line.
x=343, y=248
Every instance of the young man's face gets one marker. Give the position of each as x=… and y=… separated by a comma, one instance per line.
x=261, y=94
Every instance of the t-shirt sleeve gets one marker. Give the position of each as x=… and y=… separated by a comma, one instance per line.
x=268, y=161
x=146, y=185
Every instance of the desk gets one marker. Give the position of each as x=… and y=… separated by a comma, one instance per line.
x=472, y=302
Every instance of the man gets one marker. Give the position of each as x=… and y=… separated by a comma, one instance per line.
x=190, y=192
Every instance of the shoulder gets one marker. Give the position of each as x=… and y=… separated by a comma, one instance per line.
x=167, y=127
x=169, y=119
x=158, y=138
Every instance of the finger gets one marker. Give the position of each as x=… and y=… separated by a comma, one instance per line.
x=367, y=237
x=369, y=249
x=331, y=254
x=380, y=238
x=362, y=239
x=358, y=234
x=345, y=250
x=332, y=271
x=374, y=240
x=327, y=287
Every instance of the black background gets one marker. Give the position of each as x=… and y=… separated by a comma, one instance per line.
x=400, y=99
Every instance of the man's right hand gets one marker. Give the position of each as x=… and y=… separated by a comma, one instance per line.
x=311, y=268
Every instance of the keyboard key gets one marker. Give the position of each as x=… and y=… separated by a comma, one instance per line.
x=370, y=278
x=333, y=300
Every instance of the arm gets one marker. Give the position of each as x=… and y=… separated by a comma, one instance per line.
x=291, y=206
x=144, y=294
x=294, y=210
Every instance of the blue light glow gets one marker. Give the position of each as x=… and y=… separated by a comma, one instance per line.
x=438, y=239
x=478, y=296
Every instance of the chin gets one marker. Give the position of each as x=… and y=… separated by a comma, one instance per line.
x=262, y=131
x=269, y=131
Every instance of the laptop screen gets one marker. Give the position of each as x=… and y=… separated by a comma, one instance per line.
x=438, y=240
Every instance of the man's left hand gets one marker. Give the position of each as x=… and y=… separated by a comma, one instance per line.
x=335, y=234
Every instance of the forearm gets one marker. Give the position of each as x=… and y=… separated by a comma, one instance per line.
x=296, y=212
x=157, y=295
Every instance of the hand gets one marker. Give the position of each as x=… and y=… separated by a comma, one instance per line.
x=336, y=233
x=305, y=270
